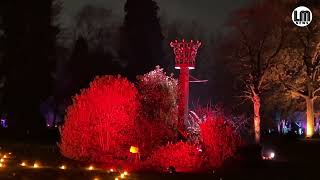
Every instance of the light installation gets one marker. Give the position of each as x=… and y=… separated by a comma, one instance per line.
x=185, y=60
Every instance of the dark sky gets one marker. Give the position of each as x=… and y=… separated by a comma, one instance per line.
x=208, y=13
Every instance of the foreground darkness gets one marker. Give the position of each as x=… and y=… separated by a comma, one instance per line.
x=295, y=159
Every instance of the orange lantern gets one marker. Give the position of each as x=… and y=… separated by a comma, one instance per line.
x=134, y=150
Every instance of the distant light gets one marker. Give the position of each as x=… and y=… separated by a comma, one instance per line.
x=63, y=167
x=111, y=170
x=116, y=178
x=5, y=156
x=9, y=153
x=23, y=164
x=125, y=173
x=96, y=178
x=90, y=168
x=35, y=165
x=1, y=165
x=269, y=156
x=1, y=160
x=199, y=149
x=272, y=155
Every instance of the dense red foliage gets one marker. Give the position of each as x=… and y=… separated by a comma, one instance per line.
x=219, y=139
x=158, y=97
x=153, y=135
x=184, y=157
x=158, y=112
x=106, y=119
x=100, y=123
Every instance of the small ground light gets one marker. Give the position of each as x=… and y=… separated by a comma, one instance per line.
x=1, y=160
x=90, y=168
x=63, y=167
x=125, y=173
x=111, y=170
x=9, y=153
x=35, y=165
x=23, y=164
x=116, y=178
x=122, y=176
x=1, y=165
x=5, y=156
x=272, y=155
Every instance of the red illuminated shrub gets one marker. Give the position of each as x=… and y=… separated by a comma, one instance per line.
x=100, y=123
x=158, y=97
x=158, y=113
x=219, y=139
x=184, y=157
x=152, y=135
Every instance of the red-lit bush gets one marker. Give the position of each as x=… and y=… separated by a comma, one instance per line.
x=158, y=97
x=219, y=139
x=184, y=157
x=152, y=135
x=158, y=114
x=100, y=123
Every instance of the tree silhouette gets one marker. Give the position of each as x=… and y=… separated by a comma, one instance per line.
x=141, y=37
x=29, y=43
x=95, y=25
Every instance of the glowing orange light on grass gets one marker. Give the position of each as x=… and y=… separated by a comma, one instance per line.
x=90, y=168
x=122, y=176
x=35, y=165
x=134, y=150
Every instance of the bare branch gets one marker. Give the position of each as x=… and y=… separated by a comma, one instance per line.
x=315, y=92
x=297, y=93
x=315, y=97
x=277, y=50
x=294, y=90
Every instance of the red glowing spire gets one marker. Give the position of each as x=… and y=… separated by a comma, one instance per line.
x=185, y=53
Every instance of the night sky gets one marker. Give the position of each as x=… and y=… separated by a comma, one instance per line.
x=209, y=13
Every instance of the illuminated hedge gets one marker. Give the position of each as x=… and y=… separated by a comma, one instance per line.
x=219, y=140
x=184, y=157
x=99, y=125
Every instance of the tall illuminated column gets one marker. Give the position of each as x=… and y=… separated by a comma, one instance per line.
x=185, y=58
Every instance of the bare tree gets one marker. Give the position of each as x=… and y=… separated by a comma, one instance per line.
x=301, y=64
x=258, y=39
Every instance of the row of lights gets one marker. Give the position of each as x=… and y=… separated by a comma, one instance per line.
x=63, y=167
x=2, y=160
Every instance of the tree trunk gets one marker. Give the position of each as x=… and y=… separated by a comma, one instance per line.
x=310, y=117
x=256, y=118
